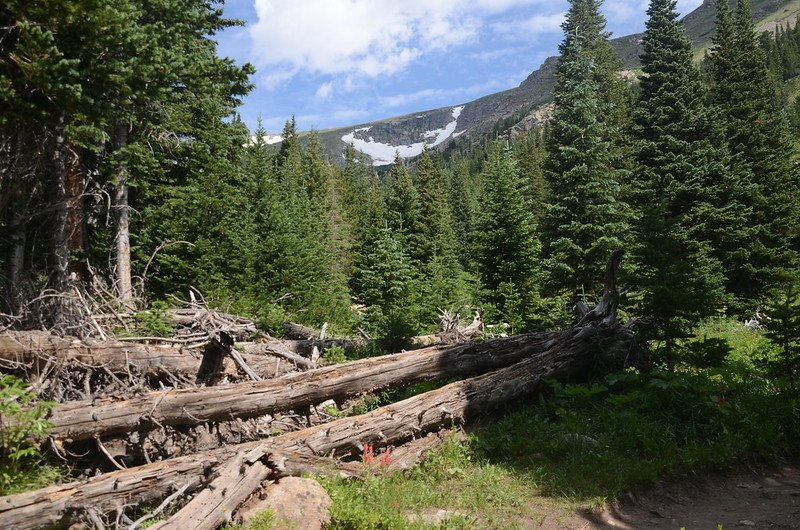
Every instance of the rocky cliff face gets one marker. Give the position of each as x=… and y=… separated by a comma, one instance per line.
x=516, y=110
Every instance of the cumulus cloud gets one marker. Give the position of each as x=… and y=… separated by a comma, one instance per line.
x=531, y=26
x=324, y=91
x=362, y=37
x=429, y=94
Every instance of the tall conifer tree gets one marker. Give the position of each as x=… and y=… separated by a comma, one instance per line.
x=587, y=217
x=507, y=246
x=682, y=163
x=758, y=139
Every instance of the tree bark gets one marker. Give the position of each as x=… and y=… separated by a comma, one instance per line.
x=59, y=239
x=32, y=349
x=122, y=218
x=80, y=420
x=214, y=506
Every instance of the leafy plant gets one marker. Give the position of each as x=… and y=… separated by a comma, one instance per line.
x=22, y=424
x=334, y=355
x=154, y=322
x=783, y=330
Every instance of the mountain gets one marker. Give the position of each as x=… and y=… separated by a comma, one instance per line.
x=518, y=109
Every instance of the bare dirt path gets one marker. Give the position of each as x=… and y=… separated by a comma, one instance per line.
x=762, y=497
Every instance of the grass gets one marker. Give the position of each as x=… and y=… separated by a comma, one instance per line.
x=576, y=446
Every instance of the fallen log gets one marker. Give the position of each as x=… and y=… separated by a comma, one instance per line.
x=50, y=507
x=280, y=349
x=569, y=354
x=81, y=420
x=244, y=474
x=32, y=350
x=214, y=506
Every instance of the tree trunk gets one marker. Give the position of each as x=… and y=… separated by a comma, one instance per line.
x=75, y=184
x=122, y=218
x=59, y=239
x=15, y=263
x=33, y=349
x=80, y=420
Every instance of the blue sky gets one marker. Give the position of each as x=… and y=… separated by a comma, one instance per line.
x=334, y=63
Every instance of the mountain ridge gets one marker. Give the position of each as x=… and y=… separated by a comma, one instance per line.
x=522, y=105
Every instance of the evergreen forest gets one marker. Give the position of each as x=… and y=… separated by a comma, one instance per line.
x=127, y=176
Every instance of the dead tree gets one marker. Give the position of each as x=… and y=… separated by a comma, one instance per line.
x=568, y=354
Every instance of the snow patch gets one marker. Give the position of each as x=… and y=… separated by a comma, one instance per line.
x=382, y=153
x=267, y=139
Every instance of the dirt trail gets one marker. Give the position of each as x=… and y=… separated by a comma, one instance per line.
x=748, y=498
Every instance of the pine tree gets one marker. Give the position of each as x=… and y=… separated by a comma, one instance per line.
x=530, y=153
x=586, y=218
x=682, y=163
x=585, y=22
x=403, y=209
x=443, y=281
x=507, y=247
x=783, y=330
x=758, y=139
x=464, y=190
x=384, y=282
x=436, y=220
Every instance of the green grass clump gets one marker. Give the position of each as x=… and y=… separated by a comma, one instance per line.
x=579, y=445
x=476, y=494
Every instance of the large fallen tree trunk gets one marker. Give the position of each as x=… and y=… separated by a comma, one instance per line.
x=32, y=350
x=569, y=354
x=79, y=420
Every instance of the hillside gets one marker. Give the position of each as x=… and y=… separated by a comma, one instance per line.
x=518, y=108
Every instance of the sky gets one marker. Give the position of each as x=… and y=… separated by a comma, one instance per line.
x=336, y=63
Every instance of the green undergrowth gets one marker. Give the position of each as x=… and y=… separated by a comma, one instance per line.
x=577, y=446
x=23, y=427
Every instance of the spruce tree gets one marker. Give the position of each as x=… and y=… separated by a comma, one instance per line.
x=584, y=21
x=403, y=209
x=586, y=218
x=436, y=220
x=682, y=163
x=443, y=281
x=464, y=190
x=384, y=282
x=758, y=139
x=506, y=242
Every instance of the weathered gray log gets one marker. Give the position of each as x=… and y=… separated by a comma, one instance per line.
x=279, y=349
x=215, y=504
x=57, y=505
x=243, y=474
x=80, y=420
x=32, y=350
x=299, y=331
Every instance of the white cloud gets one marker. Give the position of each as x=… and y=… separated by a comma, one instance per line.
x=622, y=11
x=531, y=26
x=493, y=55
x=362, y=37
x=400, y=100
x=324, y=91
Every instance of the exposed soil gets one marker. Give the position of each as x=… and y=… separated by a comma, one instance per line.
x=759, y=497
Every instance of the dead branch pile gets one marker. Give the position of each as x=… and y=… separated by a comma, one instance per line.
x=208, y=485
